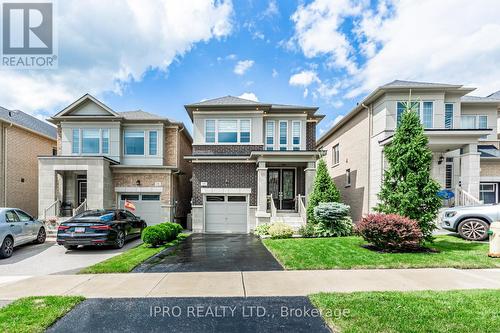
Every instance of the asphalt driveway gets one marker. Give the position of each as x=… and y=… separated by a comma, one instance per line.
x=213, y=253
x=235, y=314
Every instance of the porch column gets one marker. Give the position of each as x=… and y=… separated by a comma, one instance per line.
x=262, y=188
x=46, y=189
x=310, y=173
x=470, y=169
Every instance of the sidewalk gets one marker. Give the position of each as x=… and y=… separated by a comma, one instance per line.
x=249, y=284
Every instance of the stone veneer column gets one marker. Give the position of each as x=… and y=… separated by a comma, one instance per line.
x=470, y=169
x=261, y=188
x=310, y=173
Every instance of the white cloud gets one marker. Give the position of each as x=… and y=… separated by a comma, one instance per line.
x=242, y=66
x=304, y=78
x=274, y=73
x=272, y=9
x=103, y=49
x=249, y=95
x=306, y=93
x=331, y=124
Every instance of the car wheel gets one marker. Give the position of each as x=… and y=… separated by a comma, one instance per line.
x=71, y=247
x=41, y=237
x=473, y=229
x=120, y=240
x=7, y=248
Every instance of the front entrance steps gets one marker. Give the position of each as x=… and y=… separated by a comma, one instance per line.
x=291, y=218
x=51, y=226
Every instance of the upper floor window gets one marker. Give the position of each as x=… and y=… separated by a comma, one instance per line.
x=134, y=142
x=245, y=131
x=75, y=143
x=448, y=115
x=105, y=141
x=283, y=135
x=90, y=141
x=153, y=142
x=227, y=131
x=335, y=154
x=474, y=121
x=402, y=106
x=210, y=131
x=296, y=129
x=270, y=135
x=427, y=115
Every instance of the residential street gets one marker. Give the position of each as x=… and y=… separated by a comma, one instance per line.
x=260, y=314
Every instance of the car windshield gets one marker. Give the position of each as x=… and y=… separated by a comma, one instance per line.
x=95, y=213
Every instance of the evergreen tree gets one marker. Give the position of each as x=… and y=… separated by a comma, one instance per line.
x=408, y=188
x=324, y=190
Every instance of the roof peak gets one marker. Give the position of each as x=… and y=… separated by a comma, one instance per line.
x=406, y=83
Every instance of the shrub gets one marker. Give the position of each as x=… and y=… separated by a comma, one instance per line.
x=167, y=230
x=390, y=232
x=280, y=230
x=308, y=230
x=324, y=190
x=332, y=220
x=262, y=229
x=153, y=236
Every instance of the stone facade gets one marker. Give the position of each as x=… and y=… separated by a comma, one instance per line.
x=490, y=168
x=224, y=175
x=22, y=149
x=225, y=150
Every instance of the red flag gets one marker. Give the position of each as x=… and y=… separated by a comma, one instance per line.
x=129, y=205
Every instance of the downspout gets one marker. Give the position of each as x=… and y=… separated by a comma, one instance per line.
x=370, y=132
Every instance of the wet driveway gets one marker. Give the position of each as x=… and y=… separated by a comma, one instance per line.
x=213, y=253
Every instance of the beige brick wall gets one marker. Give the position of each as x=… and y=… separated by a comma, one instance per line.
x=22, y=151
x=353, y=143
x=490, y=169
x=148, y=178
x=170, y=146
x=182, y=182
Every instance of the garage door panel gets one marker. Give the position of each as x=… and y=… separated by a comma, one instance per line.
x=224, y=216
x=148, y=209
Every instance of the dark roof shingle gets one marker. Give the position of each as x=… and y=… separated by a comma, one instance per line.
x=28, y=121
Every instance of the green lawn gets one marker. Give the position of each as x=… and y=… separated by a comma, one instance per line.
x=423, y=311
x=348, y=253
x=35, y=314
x=128, y=260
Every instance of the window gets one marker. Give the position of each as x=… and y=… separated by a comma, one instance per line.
x=448, y=115
x=131, y=197
x=236, y=198
x=215, y=198
x=75, y=144
x=130, y=215
x=483, y=122
x=283, y=135
x=11, y=216
x=348, y=178
x=23, y=217
x=245, y=131
x=401, y=107
x=54, y=151
x=270, y=135
x=153, y=142
x=335, y=155
x=151, y=197
x=474, y=121
x=105, y=141
x=428, y=114
x=134, y=142
x=296, y=128
x=210, y=131
x=449, y=175
x=228, y=131
x=90, y=141
x=488, y=193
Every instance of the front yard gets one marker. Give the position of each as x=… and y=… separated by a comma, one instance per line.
x=422, y=311
x=348, y=253
x=35, y=314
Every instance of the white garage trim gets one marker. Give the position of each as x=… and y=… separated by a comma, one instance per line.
x=224, y=204
x=208, y=190
x=138, y=189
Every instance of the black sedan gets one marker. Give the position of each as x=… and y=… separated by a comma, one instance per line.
x=100, y=227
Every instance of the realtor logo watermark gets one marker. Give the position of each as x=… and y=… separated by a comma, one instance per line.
x=28, y=35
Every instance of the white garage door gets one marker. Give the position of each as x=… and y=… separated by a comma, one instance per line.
x=226, y=213
x=147, y=206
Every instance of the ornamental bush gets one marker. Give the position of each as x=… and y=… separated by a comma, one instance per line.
x=391, y=232
x=333, y=220
x=262, y=229
x=324, y=190
x=308, y=230
x=280, y=230
x=161, y=233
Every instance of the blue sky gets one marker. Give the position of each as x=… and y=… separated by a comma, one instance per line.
x=158, y=55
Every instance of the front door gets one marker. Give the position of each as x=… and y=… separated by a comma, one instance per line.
x=281, y=185
x=82, y=191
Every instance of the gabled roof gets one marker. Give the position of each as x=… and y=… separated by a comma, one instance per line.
x=141, y=115
x=28, y=122
x=81, y=100
x=495, y=95
x=226, y=100
x=415, y=84
x=479, y=99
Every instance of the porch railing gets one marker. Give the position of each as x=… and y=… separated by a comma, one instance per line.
x=301, y=208
x=272, y=205
x=55, y=206
x=81, y=208
x=464, y=198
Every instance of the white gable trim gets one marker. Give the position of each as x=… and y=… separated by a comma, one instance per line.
x=83, y=99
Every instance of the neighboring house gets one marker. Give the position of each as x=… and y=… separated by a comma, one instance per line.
x=106, y=157
x=246, y=152
x=462, y=132
x=22, y=139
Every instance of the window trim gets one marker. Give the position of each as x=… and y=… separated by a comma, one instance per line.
x=422, y=114
x=144, y=143
x=273, y=136
x=348, y=178
x=335, y=155
x=299, y=145
x=98, y=141
x=281, y=145
x=216, y=132
x=452, y=115
x=101, y=145
x=73, y=131
x=149, y=143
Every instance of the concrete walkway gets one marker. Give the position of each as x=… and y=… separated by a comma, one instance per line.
x=250, y=284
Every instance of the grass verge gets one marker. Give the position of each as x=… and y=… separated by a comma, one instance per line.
x=128, y=260
x=35, y=314
x=422, y=311
x=349, y=253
